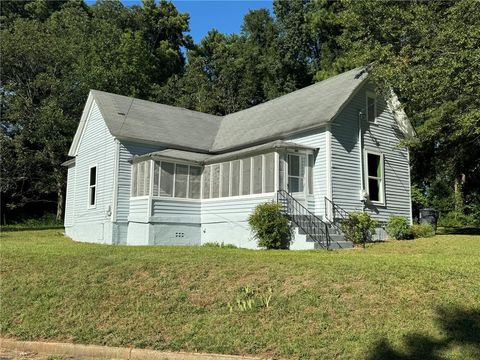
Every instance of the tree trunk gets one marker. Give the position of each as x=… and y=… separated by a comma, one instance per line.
x=60, y=202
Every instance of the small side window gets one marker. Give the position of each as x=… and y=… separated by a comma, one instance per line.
x=92, y=188
x=371, y=107
x=375, y=177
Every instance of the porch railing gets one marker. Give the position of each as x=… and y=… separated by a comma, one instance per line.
x=310, y=224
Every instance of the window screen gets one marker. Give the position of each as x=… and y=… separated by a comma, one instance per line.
x=156, y=178
x=134, y=179
x=166, y=179
x=235, y=177
x=269, y=172
x=257, y=174
x=141, y=179
x=225, y=179
x=246, y=170
x=215, y=180
x=206, y=182
x=181, y=180
x=194, y=182
x=146, y=183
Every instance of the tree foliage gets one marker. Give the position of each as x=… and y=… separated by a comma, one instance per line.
x=53, y=52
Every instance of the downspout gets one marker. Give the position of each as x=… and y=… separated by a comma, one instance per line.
x=361, y=116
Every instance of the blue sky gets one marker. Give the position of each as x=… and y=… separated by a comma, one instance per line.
x=224, y=15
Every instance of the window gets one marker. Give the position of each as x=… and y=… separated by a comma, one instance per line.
x=215, y=180
x=194, y=182
x=246, y=171
x=296, y=173
x=257, y=174
x=181, y=180
x=92, y=187
x=371, y=107
x=375, y=177
x=225, y=179
x=166, y=178
x=269, y=172
x=235, y=180
x=206, y=182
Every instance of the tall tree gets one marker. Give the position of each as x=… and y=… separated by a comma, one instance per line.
x=50, y=59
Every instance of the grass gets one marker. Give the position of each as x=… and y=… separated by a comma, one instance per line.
x=403, y=300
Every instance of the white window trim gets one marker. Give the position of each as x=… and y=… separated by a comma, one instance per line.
x=371, y=94
x=299, y=154
x=382, y=180
x=90, y=186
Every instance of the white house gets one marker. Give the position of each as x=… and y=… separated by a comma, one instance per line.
x=144, y=173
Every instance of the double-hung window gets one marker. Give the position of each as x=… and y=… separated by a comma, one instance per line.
x=375, y=177
x=92, y=187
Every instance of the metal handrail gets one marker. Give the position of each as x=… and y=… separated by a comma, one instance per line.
x=336, y=209
x=313, y=226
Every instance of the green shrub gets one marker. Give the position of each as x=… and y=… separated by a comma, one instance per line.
x=358, y=227
x=271, y=228
x=398, y=228
x=422, y=231
x=455, y=219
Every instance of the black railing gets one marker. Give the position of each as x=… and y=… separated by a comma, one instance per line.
x=338, y=213
x=313, y=226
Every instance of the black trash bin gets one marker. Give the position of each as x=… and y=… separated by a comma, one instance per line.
x=429, y=216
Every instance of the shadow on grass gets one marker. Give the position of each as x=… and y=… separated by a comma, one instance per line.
x=458, y=231
x=460, y=327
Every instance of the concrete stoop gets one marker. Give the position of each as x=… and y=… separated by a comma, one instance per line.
x=107, y=352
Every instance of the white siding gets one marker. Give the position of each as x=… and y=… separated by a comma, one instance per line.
x=126, y=152
x=177, y=211
x=70, y=197
x=383, y=136
x=316, y=139
x=97, y=148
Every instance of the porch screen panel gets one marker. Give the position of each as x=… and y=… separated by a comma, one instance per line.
x=166, y=179
x=225, y=179
x=194, y=182
x=269, y=172
x=282, y=173
x=141, y=179
x=246, y=170
x=215, y=180
x=257, y=174
x=181, y=180
x=134, y=180
x=235, y=180
x=156, y=178
x=146, y=184
x=206, y=182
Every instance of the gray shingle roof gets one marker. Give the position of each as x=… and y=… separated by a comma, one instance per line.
x=144, y=121
x=201, y=158
x=300, y=110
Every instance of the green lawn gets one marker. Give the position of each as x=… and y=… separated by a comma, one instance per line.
x=410, y=299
